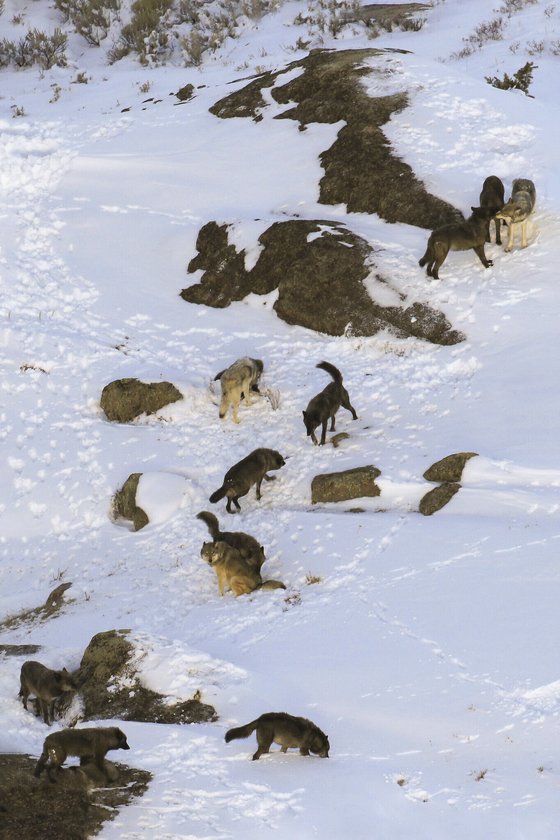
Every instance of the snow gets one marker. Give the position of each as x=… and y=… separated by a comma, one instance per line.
x=427, y=648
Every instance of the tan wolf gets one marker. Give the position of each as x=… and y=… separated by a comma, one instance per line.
x=234, y=571
x=286, y=730
x=325, y=404
x=239, y=380
x=492, y=196
x=46, y=685
x=458, y=236
x=250, y=470
x=518, y=209
x=247, y=545
x=89, y=744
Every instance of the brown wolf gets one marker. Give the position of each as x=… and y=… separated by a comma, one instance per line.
x=286, y=730
x=492, y=196
x=458, y=236
x=250, y=470
x=89, y=744
x=239, y=380
x=325, y=405
x=248, y=546
x=46, y=685
x=233, y=571
x=518, y=209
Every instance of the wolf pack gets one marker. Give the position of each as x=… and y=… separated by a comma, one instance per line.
x=474, y=232
x=237, y=558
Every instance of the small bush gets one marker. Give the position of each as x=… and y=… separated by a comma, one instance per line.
x=91, y=19
x=520, y=80
x=510, y=7
x=35, y=48
x=145, y=34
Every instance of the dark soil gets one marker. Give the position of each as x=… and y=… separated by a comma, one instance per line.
x=36, y=809
x=320, y=282
x=361, y=168
x=37, y=614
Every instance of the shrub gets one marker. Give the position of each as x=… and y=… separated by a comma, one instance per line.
x=520, y=80
x=35, y=48
x=144, y=34
x=91, y=19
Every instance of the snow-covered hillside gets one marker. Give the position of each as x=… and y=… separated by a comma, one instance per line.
x=425, y=647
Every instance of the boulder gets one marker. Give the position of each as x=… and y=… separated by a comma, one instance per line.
x=348, y=484
x=437, y=498
x=124, y=503
x=449, y=468
x=110, y=688
x=125, y=399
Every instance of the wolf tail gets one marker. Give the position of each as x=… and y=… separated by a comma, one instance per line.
x=334, y=372
x=241, y=731
x=272, y=584
x=218, y=494
x=211, y=521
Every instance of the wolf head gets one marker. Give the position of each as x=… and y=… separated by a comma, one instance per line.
x=310, y=421
x=119, y=739
x=277, y=460
x=65, y=681
x=320, y=744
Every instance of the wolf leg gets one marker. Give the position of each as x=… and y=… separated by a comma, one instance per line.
x=479, y=251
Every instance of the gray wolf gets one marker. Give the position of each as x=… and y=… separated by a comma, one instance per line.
x=325, y=405
x=238, y=380
x=518, y=209
x=234, y=571
x=89, y=744
x=286, y=730
x=46, y=685
x=250, y=470
x=247, y=546
x=458, y=236
x=492, y=196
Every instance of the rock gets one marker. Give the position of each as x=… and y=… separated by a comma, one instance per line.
x=125, y=399
x=110, y=688
x=124, y=503
x=319, y=268
x=349, y=484
x=449, y=468
x=437, y=498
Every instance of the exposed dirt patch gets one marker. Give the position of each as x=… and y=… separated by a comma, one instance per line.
x=361, y=168
x=47, y=610
x=318, y=268
x=110, y=688
x=19, y=650
x=33, y=809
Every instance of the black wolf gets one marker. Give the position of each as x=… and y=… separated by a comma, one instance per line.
x=247, y=545
x=251, y=470
x=286, y=730
x=458, y=236
x=492, y=196
x=325, y=405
